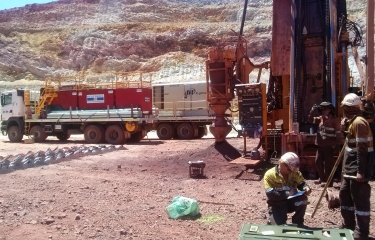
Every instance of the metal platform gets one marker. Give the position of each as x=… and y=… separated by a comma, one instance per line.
x=248, y=162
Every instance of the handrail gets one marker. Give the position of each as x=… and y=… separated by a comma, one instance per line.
x=120, y=80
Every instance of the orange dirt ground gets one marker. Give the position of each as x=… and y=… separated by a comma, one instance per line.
x=123, y=193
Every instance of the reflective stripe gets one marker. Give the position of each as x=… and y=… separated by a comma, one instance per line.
x=328, y=134
x=352, y=140
x=338, y=131
x=348, y=149
x=347, y=208
x=362, y=213
x=329, y=128
x=285, y=188
x=300, y=203
x=361, y=140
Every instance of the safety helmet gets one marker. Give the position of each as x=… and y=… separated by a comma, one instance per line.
x=291, y=159
x=351, y=99
x=328, y=105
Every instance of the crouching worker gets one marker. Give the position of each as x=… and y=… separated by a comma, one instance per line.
x=281, y=183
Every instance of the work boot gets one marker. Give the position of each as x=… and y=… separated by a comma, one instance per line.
x=342, y=226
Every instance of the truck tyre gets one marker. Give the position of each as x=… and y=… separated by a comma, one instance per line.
x=165, y=131
x=14, y=134
x=93, y=134
x=136, y=137
x=185, y=131
x=63, y=136
x=38, y=133
x=201, y=132
x=114, y=135
x=103, y=131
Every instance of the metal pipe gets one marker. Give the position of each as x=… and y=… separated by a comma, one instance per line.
x=337, y=163
x=344, y=78
x=370, y=50
x=259, y=73
x=243, y=17
x=332, y=52
x=292, y=75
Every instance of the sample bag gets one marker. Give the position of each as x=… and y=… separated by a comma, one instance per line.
x=182, y=206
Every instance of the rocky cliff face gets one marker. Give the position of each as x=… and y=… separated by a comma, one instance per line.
x=101, y=37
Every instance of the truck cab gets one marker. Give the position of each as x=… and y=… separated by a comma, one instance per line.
x=12, y=114
x=12, y=104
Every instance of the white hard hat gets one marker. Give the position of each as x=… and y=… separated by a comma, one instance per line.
x=291, y=159
x=351, y=99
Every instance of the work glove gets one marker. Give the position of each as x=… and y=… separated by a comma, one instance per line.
x=307, y=190
x=360, y=177
x=344, y=124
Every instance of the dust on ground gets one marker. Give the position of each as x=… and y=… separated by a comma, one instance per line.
x=123, y=193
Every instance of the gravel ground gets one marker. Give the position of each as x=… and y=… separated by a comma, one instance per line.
x=122, y=193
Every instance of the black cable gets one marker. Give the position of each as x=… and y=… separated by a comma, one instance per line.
x=355, y=32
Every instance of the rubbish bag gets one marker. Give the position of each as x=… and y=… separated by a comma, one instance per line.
x=182, y=206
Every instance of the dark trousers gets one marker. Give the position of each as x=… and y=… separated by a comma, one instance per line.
x=355, y=205
x=324, y=162
x=279, y=212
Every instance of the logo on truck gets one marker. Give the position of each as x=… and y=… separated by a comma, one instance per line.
x=192, y=92
x=95, y=98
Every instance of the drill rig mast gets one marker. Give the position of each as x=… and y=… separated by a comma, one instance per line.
x=308, y=65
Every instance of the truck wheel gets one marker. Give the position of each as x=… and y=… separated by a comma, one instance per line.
x=114, y=135
x=201, y=132
x=93, y=134
x=185, y=131
x=63, y=136
x=165, y=131
x=136, y=137
x=103, y=131
x=14, y=134
x=38, y=133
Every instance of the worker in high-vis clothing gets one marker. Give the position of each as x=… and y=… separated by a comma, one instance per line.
x=286, y=191
x=358, y=162
x=328, y=137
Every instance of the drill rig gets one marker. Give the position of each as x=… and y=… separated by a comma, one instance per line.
x=309, y=65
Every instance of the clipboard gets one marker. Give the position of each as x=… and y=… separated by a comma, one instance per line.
x=297, y=194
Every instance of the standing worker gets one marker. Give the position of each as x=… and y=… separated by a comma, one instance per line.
x=358, y=162
x=281, y=182
x=328, y=137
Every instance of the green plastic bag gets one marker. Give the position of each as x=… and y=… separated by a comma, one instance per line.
x=182, y=206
